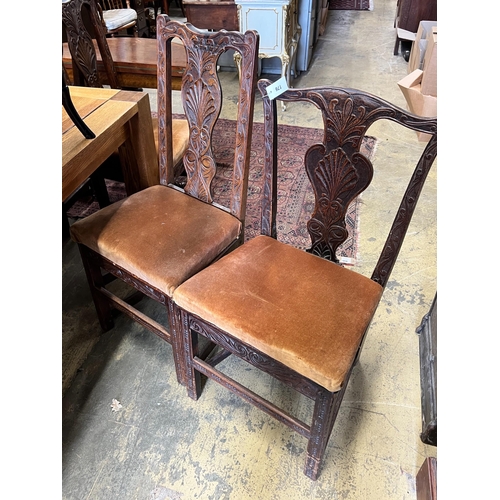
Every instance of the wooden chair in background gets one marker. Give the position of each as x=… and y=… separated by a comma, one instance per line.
x=85, y=68
x=117, y=16
x=300, y=316
x=159, y=237
x=135, y=59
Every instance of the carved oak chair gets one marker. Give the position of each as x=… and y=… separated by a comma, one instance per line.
x=299, y=315
x=159, y=237
x=85, y=68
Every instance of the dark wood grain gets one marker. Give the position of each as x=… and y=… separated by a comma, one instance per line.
x=212, y=14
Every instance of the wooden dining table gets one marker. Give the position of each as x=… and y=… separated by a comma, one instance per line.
x=136, y=62
x=116, y=117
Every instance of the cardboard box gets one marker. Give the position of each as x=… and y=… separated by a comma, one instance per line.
x=420, y=44
x=429, y=78
x=418, y=103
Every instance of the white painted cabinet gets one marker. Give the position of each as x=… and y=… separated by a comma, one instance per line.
x=277, y=24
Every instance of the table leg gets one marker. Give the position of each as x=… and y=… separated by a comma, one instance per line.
x=142, y=139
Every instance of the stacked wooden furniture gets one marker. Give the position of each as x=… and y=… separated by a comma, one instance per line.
x=135, y=59
x=85, y=68
x=212, y=14
x=409, y=13
x=276, y=21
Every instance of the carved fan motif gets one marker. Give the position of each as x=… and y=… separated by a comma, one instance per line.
x=336, y=181
x=81, y=46
x=201, y=97
x=346, y=117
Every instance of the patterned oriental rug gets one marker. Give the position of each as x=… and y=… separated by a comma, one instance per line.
x=350, y=5
x=295, y=194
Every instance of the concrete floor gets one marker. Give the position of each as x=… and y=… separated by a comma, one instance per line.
x=162, y=445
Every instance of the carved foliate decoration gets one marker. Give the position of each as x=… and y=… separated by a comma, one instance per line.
x=81, y=45
x=201, y=96
x=202, y=100
x=336, y=179
x=338, y=171
x=251, y=355
x=404, y=214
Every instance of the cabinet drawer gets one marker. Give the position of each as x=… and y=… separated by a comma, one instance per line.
x=212, y=15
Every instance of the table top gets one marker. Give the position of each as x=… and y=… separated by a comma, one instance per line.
x=107, y=113
x=86, y=100
x=137, y=55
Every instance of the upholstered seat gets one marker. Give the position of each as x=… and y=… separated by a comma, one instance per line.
x=117, y=15
x=284, y=323
x=117, y=18
x=159, y=235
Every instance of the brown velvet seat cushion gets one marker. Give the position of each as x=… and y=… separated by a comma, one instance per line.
x=160, y=235
x=304, y=311
x=180, y=136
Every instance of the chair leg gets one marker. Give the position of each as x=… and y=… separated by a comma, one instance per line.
x=65, y=224
x=190, y=350
x=176, y=342
x=396, y=45
x=96, y=281
x=128, y=163
x=100, y=190
x=326, y=409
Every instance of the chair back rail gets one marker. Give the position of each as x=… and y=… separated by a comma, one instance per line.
x=114, y=4
x=338, y=171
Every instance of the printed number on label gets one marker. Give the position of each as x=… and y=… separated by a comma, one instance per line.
x=277, y=88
